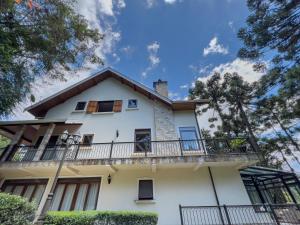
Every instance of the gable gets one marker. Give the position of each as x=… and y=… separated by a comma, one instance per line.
x=41, y=108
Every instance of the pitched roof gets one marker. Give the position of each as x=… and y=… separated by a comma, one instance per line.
x=40, y=108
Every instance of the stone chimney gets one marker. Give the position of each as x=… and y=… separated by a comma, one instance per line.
x=161, y=87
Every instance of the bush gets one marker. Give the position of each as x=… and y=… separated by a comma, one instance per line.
x=15, y=210
x=101, y=218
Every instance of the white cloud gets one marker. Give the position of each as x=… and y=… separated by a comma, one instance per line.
x=128, y=50
x=150, y=3
x=215, y=47
x=184, y=86
x=175, y=96
x=170, y=1
x=242, y=67
x=153, y=58
x=231, y=25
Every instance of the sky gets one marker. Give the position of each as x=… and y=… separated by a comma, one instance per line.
x=175, y=40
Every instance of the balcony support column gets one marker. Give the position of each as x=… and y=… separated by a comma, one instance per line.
x=44, y=142
x=16, y=140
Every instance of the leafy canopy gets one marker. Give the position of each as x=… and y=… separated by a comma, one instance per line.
x=44, y=39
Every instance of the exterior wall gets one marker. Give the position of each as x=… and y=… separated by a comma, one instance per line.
x=171, y=187
x=161, y=119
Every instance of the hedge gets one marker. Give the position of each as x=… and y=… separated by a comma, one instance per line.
x=15, y=210
x=100, y=218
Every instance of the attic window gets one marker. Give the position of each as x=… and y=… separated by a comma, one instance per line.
x=132, y=104
x=80, y=106
x=105, y=106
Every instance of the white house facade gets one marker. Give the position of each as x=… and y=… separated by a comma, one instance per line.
x=138, y=151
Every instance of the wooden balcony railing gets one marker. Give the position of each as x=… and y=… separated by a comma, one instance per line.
x=126, y=150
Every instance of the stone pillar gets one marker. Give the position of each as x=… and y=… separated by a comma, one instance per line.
x=16, y=139
x=44, y=142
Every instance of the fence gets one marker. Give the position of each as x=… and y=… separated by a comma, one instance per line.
x=264, y=214
x=124, y=150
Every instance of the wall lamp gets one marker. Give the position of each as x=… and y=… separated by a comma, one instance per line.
x=109, y=179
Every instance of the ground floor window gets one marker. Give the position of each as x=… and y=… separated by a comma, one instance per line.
x=145, y=189
x=33, y=190
x=76, y=194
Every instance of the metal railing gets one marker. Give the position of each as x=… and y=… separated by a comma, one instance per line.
x=125, y=150
x=264, y=214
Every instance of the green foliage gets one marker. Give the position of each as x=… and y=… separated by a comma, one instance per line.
x=4, y=141
x=101, y=218
x=15, y=210
x=272, y=25
x=47, y=40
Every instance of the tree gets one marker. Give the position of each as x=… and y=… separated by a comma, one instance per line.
x=238, y=94
x=273, y=26
x=4, y=141
x=40, y=38
x=212, y=90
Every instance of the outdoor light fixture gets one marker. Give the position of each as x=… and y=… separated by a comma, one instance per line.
x=117, y=133
x=65, y=137
x=109, y=179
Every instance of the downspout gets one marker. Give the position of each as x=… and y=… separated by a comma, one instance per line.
x=216, y=195
x=213, y=185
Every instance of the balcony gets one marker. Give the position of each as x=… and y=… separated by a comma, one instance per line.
x=208, y=149
x=262, y=214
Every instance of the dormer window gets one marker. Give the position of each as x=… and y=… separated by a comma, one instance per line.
x=80, y=106
x=132, y=104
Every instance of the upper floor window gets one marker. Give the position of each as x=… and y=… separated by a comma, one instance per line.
x=146, y=189
x=142, y=140
x=105, y=106
x=132, y=104
x=87, y=139
x=80, y=106
x=189, y=137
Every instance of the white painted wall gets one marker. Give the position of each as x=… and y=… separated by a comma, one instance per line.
x=171, y=188
x=105, y=125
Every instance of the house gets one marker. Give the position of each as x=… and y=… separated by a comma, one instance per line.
x=139, y=150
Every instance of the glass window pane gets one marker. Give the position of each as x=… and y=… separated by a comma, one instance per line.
x=189, y=137
x=18, y=190
x=29, y=191
x=81, y=197
x=57, y=197
x=39, y=193
x=67, y=201
x=145, y=189
x=92, y=197
x=8, y=188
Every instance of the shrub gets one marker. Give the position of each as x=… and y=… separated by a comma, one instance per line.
x=101, y=218
x=15, y=210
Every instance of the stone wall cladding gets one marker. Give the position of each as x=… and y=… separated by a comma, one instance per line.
x=164, y=122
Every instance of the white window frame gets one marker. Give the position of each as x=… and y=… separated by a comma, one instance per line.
x=137, y=104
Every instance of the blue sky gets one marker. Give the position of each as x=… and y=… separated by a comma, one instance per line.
x=182, y=30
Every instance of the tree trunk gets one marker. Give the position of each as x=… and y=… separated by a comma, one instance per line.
x=246, y=122
x=221, y=115
x=286, y=131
